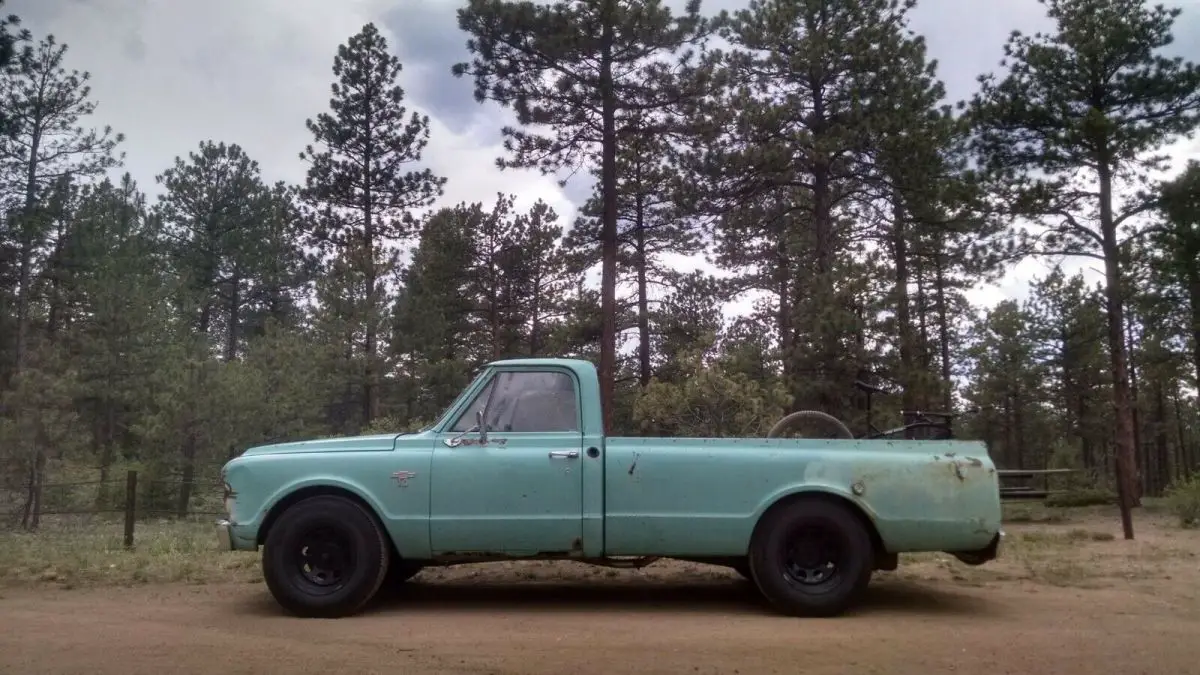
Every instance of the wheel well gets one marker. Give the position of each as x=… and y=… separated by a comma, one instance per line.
x=317, y=491
x=831, y=498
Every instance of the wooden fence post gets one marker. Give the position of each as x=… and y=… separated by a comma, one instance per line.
x=130, y=506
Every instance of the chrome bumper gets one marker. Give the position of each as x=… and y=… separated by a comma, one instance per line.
x=224, y=535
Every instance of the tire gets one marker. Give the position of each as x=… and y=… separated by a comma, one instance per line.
x=825, y=593
x=782, y=425
x=350, y=557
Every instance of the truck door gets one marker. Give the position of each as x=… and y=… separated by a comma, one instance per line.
x=519, y=490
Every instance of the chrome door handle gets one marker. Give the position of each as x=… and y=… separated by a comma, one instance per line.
x=569, y=454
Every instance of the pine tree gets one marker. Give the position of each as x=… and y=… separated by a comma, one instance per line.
x=1006, y=385
x=361, y=182
x=433, y=335
x=1068, y=330
x=1179, y=239
x=218, y=218
x=648, y=227
x=585, y=69
x=1093, y=98
x=119, y=290
x=44, y=102
x=787, y=150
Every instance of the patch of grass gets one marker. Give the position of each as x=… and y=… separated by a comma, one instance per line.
x=1082, y=497
x=1056, y=538
x=1032, y=513
x=91, y=554
x=1060, y=572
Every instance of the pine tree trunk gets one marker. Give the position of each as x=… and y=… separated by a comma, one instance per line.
x=1139, y=451
x=235, y=306
x=25, y=269
x=1162, y=457
x=54, y=312
x=1183, y=467
x=1085, y=442
x=943, y=319
x=1194, y=301
x=1126, y=466
x=608, y=229
x=903, y=316
x=369, y=403
x=643, y=301
x=823, y=292
x=922, y=313
x=783, y=318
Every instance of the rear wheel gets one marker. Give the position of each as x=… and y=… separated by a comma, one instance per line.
x=326, y=557
x=811, y=558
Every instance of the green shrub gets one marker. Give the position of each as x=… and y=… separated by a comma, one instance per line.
x=1183, y=499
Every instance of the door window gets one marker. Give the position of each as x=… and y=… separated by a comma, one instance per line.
x=526, y=401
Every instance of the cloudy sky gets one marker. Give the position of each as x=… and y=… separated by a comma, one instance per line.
x=171, y=73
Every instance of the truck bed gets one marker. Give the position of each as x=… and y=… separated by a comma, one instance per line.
x=683, y=496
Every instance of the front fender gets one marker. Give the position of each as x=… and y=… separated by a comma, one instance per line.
x=255, y=527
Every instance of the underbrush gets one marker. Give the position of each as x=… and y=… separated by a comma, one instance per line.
x=1183, y=501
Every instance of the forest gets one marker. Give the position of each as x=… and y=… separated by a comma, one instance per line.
x=804, y=148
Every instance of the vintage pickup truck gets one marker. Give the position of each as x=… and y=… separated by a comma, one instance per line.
x=518, y=467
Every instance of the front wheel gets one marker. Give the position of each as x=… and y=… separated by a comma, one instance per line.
x=811, y=558
x=325, y=557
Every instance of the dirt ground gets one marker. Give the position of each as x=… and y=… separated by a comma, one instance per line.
x=1066, y=597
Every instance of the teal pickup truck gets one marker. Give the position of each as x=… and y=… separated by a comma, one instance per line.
x=519, y=468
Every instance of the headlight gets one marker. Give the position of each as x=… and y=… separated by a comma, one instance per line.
x=229, y=497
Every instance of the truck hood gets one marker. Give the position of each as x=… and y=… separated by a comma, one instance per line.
x=375, y=443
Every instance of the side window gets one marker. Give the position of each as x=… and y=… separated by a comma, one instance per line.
x=527, y=402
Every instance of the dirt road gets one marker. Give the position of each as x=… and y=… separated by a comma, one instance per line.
x=609, y=625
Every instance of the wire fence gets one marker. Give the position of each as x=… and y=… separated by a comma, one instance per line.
x=135, y=496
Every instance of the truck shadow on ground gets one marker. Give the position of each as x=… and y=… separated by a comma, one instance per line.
x=898, y=597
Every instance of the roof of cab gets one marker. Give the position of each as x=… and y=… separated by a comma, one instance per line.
x=543, y=361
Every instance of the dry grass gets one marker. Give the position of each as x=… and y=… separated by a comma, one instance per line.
x=87, y=553
x=1076, y=547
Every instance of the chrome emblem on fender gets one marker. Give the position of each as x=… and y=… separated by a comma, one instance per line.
x=401, y=477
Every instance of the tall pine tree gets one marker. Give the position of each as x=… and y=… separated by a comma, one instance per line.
x=45, y=146
x=363, y=184
x=1079, y=116
x=584, y=71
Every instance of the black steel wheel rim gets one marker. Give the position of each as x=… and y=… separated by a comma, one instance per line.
x=325, y=559
x=813, y=557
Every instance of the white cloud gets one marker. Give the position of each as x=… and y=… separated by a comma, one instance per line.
x=171, y=74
